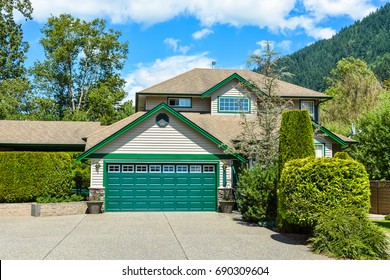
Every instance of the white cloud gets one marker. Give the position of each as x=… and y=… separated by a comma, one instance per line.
x=202, y=33
x=160, y=70
x=284, y=45
x=275, y=15
x=174, y=44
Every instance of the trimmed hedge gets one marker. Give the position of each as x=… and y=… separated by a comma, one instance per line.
x=311, y=186
x=296, y=136
x=24, y=176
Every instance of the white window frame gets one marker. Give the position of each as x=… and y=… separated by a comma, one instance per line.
x=195, y=168
x=142, y=167
x=125, y=166
x=178, y=167
x=206, y=167
x=117, y=168
x=171, y=169
x=322, y=149
x=311, y=108
x=234, y=100
x=156, y=167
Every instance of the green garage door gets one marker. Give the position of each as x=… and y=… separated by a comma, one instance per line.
x=160, y=187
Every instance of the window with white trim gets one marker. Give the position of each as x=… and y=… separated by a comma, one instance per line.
x=208, y=169
x=169, y=169
x=141, y=168
x=195, y=169
x=182, y=168
x=114, y=168
x=233, y=104
x=308, y=105
x=180, y=102
x=128, y=168
x=155, y=168
x=319, y=148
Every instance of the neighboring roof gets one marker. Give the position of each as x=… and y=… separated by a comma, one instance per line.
x=206, y=126
x=45, y=132
x=341, y=139
x=204, y=81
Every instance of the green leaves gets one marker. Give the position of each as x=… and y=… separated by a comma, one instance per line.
x=80, y=72
x=311, y=186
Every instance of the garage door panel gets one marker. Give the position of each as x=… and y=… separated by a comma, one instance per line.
x=153, y=191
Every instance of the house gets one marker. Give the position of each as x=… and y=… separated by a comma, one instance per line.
x=170, y=155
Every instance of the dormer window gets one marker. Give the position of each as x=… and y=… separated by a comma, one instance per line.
x=233, y=105
x=180, y=102
x=308, y=105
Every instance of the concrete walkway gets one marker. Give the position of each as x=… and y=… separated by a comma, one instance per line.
x=152, y=235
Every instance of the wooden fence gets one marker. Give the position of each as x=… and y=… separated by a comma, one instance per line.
x=380, y=197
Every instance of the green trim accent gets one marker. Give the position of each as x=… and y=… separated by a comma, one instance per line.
x=227, y=80
x=145, y=116
x=234, y=112
x=177, y=97
x=330, y=134
x=187, y=157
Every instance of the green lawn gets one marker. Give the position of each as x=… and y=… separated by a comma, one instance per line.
x=384, y=224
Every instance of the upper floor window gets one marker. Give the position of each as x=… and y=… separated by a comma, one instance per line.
x=309, y=105
x=233, y=104
x=180, y=102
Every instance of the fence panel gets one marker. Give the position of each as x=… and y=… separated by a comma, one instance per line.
x=380, y=197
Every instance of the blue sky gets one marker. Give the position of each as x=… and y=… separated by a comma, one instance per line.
x=169, y=37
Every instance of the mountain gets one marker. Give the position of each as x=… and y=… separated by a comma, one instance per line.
x=367, y=39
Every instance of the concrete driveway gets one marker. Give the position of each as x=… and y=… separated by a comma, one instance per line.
x=140, y=236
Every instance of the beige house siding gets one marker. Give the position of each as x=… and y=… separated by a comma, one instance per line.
x=230, y=89
x=148, y=138
x=96, y=176
x=198, y=104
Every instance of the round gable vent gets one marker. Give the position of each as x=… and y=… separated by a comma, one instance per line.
x=162, y=120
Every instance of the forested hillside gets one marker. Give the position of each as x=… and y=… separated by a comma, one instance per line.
x=368, y=39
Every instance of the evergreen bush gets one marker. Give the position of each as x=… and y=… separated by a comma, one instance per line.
x=342, y=155
x=256, y=193
x=296, y=136
x=348, y=234
x=24, y=176
x=311, y=186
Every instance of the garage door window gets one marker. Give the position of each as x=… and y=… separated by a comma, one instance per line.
x=208, y=169
x=195, y=169
x=114, y=168
x=155, y=168
x=128, y=168
x=182, y=169
x=142, y=169
x=169, y=169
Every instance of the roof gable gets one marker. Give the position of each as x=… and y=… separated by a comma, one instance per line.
x=147, y=115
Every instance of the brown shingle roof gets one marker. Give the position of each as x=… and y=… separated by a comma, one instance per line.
x=199, y=81
x=46, y=132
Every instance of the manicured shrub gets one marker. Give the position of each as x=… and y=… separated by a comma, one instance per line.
x=24, y=176
x=71, y=198
x=342, y=155
x=387, y=217
x=296, y=136
x=348, y=234
x=81, y=173
x=310, y=186
x=256, y=193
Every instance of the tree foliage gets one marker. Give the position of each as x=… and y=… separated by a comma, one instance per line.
x=13, y=85
x=373, y=136
x=258, y=141
x=80, y=73
x=367, y=39
x=355, y=90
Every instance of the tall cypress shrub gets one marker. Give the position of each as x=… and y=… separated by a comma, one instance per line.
x=296, y=136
